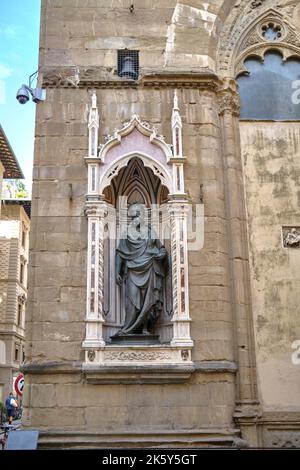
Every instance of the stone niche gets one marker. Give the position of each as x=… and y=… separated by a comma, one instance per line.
x=136, y=165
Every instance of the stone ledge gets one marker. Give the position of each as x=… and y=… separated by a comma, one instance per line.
x=64, y=367
x=281, y=418
x=176, y=373
x=216, y=366
x=137, y=374
x=99, y=77
x=206, y=437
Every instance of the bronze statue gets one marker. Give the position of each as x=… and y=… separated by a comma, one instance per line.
x=141, y=265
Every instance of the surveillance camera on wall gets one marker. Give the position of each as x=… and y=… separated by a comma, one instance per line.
x=23, y=95
x=37, y=94
x=25, y=91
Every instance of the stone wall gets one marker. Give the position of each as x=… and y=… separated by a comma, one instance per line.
x=271, y=156
x=168, y=34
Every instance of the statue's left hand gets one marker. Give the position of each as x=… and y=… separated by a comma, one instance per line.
x=161, y=254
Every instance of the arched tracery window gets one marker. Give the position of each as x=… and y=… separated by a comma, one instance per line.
x=268, y=90
x=267, y=68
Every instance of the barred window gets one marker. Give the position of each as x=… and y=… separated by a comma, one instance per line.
x=128, y=64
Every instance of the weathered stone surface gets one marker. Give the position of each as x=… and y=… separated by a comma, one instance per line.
x=50, y=416
x=271, y=163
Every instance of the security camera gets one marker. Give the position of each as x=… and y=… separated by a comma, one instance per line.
x=37, y=94
x=23, y=95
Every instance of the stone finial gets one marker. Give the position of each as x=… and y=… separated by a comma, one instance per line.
x=175, y=106
x=176, y=127
x=94, y=100
x=93, y=126
x=176, y=118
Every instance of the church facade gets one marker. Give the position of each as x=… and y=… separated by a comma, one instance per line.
x=190, y=335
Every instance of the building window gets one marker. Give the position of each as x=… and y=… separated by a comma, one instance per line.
x=22, y=269
x=128, y=64
x=17, y=352
x=20, y=311
x=23, y=355
x=24, y=233
x=268, y=89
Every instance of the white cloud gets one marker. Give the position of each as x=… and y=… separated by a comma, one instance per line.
x=9, y=31
x=5, y=71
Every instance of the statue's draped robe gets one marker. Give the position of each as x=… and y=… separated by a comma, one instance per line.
x=143, y=281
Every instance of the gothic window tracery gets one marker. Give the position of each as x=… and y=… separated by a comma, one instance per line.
x=267, y=89
x=271, y=31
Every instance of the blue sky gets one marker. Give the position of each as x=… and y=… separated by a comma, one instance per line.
x=19, y=42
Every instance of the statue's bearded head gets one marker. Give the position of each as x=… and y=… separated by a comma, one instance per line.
x=137, y=227
x=136, y=210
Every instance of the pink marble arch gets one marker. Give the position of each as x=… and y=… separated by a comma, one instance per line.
x=135, y=142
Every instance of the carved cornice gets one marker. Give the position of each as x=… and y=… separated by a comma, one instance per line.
x=99, y=77
x=204, y=80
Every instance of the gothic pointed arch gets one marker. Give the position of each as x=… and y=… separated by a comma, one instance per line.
x=134, y=177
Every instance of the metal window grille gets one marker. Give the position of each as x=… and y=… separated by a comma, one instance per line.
x=128, y=64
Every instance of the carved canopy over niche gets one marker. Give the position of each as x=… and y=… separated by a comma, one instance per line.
x=253, y=28
x=138, y=184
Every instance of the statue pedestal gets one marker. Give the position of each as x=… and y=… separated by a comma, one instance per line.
x=135, y=339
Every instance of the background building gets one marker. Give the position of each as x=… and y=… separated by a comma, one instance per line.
x=14, y=250
x=9, y=166
x=142, y=101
